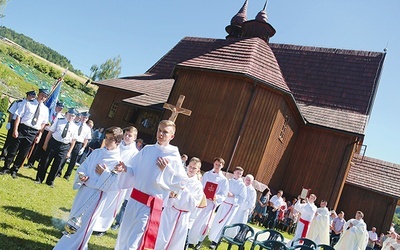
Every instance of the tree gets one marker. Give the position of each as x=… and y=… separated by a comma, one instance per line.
x=3, y=4
x=108, y=70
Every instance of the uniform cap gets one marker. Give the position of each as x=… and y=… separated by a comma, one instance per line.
x=72, y=111
x=85, y=114
x=44, y=91
x=31, y=93
x=60, y=104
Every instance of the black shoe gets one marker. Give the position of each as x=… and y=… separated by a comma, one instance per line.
x=115, y=227
x=50, y=185
x=28, y=165
x=198, y=246
x=4, y=171
x=191, y=246
x=2, y=158
x=98, y=234
x=213, y=245
x=66, y=177
x=38, y=182
x=14, y=175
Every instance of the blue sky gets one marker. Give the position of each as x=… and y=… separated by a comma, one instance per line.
x=90, y=32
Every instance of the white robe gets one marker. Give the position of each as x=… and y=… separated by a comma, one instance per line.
x=228, y=208
x=354, y=238
x=388, y=243
x=242, y=214
x=174, y=222
x=202, y=223
x=144, y=175
x=91, y=196
x=114, y=198
x=319, y=227
x=307, y=212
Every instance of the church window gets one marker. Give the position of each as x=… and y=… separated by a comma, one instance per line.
x=113, y=109
x=284, y=127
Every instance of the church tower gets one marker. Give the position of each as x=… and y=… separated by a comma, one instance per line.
x=234, y=30
x=259, y=27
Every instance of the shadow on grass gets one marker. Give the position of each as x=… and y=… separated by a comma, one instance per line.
x=7, y=242
x=36, y=218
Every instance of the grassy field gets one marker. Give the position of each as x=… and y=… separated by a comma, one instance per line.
x=33, y=215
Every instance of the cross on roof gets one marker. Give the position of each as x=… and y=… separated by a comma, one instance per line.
x=177, y=109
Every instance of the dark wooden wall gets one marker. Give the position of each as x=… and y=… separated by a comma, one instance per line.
x=320, y=161
x=237, y=119
x=218, y=103
x=378, y=209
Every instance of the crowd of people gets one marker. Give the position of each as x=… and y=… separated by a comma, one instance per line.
x=319, y=224
x=150, y=194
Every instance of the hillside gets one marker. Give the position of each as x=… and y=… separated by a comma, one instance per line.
x=22, y=70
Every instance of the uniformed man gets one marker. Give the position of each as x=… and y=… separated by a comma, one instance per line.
x=38, y=151
x=84, y=135
x=58, y=145
x=30, y=95
x=31, y=119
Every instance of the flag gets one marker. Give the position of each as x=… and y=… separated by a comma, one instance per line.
x=52, y=99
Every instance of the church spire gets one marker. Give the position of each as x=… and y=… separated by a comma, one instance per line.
x=259, y=27
x=262, y=15
x=234, y=30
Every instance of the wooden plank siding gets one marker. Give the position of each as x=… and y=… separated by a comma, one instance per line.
x=102, y=102
x=378, y=209
x=240, y=122
x=320, y=161
x=212, y=129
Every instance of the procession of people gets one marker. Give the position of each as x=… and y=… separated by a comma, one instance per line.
x=149, y=194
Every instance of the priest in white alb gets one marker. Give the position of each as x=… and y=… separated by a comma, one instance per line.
x=307, y=212
x=153, y=173
x=319, y=227
x=355, y=234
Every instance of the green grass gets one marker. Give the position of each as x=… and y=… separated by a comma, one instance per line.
x=33, y=215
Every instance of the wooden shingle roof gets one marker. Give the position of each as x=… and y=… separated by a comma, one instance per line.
x=332, y=88
x=375, y=175
x=248, y=56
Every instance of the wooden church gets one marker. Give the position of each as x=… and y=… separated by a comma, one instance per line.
x=293, y=116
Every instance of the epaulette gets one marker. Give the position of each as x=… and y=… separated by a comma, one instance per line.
x=19, y=100
x=61, y=118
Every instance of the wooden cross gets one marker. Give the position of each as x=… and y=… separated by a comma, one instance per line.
x=177, y=109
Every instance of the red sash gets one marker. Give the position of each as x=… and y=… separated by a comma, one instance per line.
x=305, y=228
x=230, y=208
x=155, y=204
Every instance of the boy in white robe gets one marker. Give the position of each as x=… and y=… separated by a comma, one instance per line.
x=355, y=234
x=177, y=208
x=307, y=212
x=243, y=213
x=115, y=198
x=201, y=224
x=153, y=173
x=94, y=179
x=228, y=208
x=319, y=227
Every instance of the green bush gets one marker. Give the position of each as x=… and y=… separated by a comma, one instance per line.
x=4, y=102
